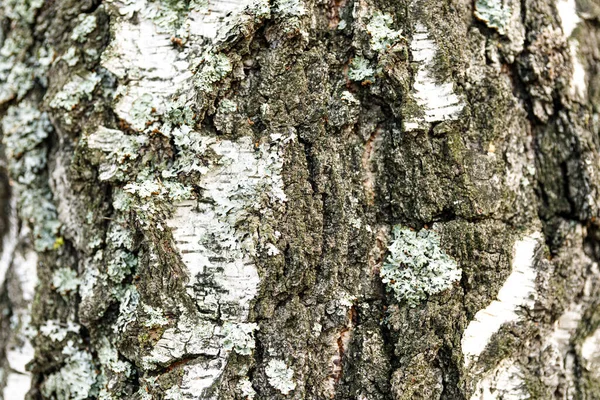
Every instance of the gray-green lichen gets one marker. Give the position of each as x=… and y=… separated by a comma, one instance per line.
x=494, y=13
x=239, y=337
x=70, y=57
x=141, y=111
x=86, y=26
x=130, y=299
x=281, y=377
x=360, y=70
x=246, y=390
x=292, y=8
x=120, y=265
x=213, y=68
x=18, y=67
x=227, y=106
x=109, y=359
x=155, y=317
x=383, y=37
x=417, y=267
x=25, y=130
x=22, y=10
x=112, y=371
x=65, y=280
x=75, y=380
x=24, y=127
x=57, y=331
x=78, y=89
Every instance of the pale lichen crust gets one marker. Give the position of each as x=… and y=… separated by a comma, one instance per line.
x=495, y=13
x=417, y=267
x=281, y=377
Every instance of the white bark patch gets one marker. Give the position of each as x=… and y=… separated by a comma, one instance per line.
x=150, y=67
x=557, y=349
x=25, y=266
x=223, y=278
x=19, y=353
x=19, y=350
x=188, y=337
x=504, y=382
x=216, y=255
x=17, y=386
x=578, y=86
x=209, y=23
x=590, y=352
x=567, y=12
x=518, y=291
x=10, y=240
x=437, y=100
x=199, y=377
x=564, y=329
x=148, y=59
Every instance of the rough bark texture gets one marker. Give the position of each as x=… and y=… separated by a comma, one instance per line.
x=300, y=199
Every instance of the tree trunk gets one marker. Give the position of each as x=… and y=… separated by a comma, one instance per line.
x=298, y=199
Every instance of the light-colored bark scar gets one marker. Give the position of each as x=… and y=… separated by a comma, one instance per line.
x=223, y=279
x=569, y=20
x=504, y=382
x=518, y=291
x=590, y=353
x=19, y=351
x=437, y=100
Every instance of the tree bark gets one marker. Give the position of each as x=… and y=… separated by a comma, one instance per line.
x=297, y=199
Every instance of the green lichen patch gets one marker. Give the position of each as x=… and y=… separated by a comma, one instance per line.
x=239, y=337
x=75, y=380
x=58, y=331
x=417, y=267
x=37, y=207
x=361, y=70
x=22, y=10
x=109, y=359
x=65, y=281
x=24, y=127
x=121, y=264
x=19, y=63
x=227, y=106
x=155, y=317
x=214, y=67
x=494, y=13
x=87, y=24
x=141, y=111
x=246, y=390
x=281, y=377
x=291, y=8
x=78, y=89
x=383, y=37
x=70, y=57
x=25, y=130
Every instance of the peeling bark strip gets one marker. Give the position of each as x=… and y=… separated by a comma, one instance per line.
x=364, y=200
